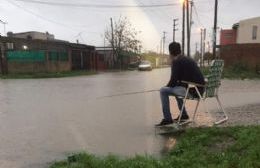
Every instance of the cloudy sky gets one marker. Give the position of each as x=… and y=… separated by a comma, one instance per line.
x=87, y=21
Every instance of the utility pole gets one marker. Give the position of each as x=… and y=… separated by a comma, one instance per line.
x=2, y=59
x=201, y=34
x=174, y=28
x=188, y=27
x=204, y=44
x=160, y=46
x=191, y=22
x=191, y=7
x=4, y=23
x=183, y=27
x=208, y=46
x=113, y=46
x=163, y=47
x=196, y=53
x=215, y=29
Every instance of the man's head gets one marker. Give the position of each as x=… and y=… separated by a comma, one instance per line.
x=175, y=49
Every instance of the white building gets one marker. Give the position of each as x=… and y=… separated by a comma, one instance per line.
x=249, y=31
x=32, y=35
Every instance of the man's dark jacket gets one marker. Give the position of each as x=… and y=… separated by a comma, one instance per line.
x=186, y=69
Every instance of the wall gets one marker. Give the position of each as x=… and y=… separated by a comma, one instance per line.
x=101, y=65
x=58, y=61
x=228, y=36
x=107, y=54
x=37, y=61
x=82, y=57
x=25, y=67
x=248, y=54
x=53, y=63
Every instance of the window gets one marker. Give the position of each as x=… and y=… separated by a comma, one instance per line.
x=254, y=33
x=64, y=56
x=228, y=35
x=10, y=46
x=53, y=56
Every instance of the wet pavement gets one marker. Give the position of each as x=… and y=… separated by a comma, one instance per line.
x=42, y=120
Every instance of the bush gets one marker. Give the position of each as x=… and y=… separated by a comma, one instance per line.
x=239, y=67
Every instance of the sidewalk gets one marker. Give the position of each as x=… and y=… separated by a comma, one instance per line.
x=240, y=99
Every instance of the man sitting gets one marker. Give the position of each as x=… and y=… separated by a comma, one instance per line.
x=182, y=69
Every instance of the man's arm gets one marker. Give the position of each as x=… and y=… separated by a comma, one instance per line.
x=175, y=75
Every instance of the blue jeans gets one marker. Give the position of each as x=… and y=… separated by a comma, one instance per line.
x=165, y=92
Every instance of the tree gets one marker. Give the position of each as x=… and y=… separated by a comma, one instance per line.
x=208, y=56
x=196, y=56
x=122, y=38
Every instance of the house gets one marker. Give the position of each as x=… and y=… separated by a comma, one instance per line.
x=105, y=54
x=33, y=52
x=245, y=32
x=33, y=35
x=241, y=44
x=82, y=57
x=249, y=31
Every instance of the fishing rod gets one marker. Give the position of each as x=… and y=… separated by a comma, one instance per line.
x=129, y=93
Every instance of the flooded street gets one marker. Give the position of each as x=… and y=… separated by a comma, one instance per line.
x=42, y=120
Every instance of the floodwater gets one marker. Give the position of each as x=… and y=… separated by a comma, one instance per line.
x=43, y=120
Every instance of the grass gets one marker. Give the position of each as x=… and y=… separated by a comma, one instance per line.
x=46, y=75
x=228, y=147
x=231, y=73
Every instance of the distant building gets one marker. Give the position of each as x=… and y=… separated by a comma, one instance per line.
x=244, y=32
x=111, y=61
x=33, y=35
x=83, y=57
x=228, y=36
x=249, y=31
x=246, y=48
x=30, y=55
x=106, y=55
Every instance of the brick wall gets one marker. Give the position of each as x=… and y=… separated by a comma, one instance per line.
x=228, y=37
x=248, y=54
x=19, y=67
x=34, y=67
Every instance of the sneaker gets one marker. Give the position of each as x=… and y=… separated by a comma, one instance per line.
x=164, y=122
x=183, y=118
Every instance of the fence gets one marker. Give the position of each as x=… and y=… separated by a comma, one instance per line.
x=247, y=54
x=37, y=61
x=26, y=56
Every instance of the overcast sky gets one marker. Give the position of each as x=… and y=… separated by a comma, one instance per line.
x=88, y=24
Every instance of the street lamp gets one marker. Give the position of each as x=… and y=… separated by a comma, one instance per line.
x=25, y=47
x=182, y=1
x=183, y=25
x=215, y=29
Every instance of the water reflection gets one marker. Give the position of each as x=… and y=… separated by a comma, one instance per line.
x=45, y=119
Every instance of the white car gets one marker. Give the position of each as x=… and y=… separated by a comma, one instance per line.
x=145, y=65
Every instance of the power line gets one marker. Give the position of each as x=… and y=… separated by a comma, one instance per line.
x=97, y=5
x=39, y=16
x=4, y=23
x=157, y=13
x=196, y=13
x=47, y=19
x=174, y=28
